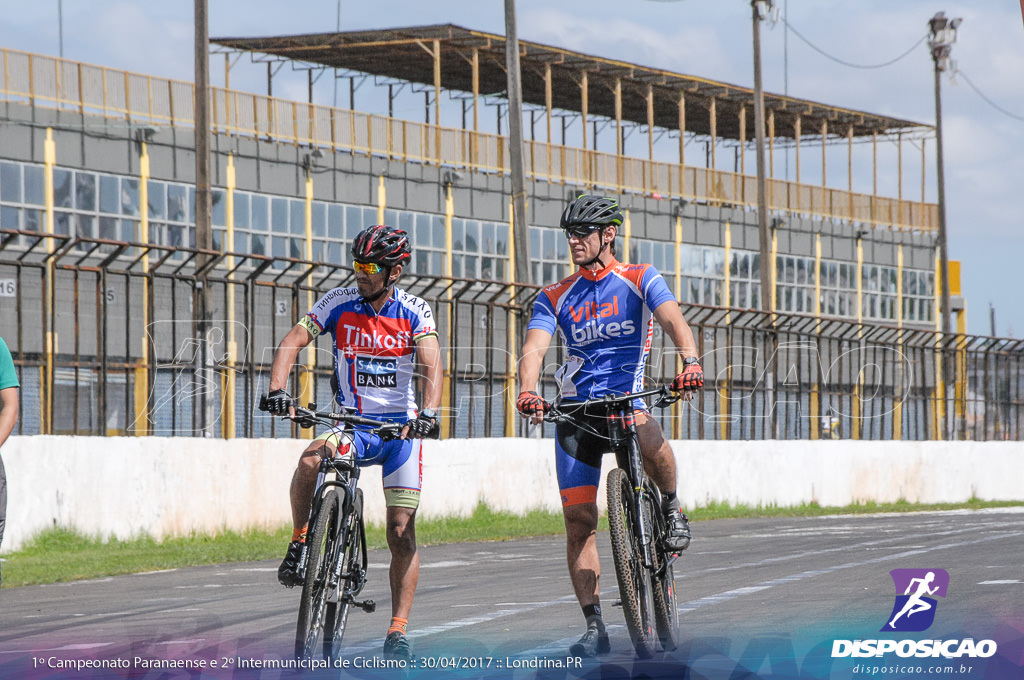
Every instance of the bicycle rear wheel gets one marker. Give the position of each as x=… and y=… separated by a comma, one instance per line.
x=321, y=547
x=353, y=577
x=635, y=587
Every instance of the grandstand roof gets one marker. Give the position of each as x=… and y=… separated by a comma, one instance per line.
x=405, y=54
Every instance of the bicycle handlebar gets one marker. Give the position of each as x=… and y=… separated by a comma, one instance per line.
x=308, y=417
x=612, y=401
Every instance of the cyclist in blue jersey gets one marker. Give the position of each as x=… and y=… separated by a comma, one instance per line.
x=605, y=314
x=379, y=333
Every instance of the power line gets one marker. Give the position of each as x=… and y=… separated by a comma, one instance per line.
x=847, y=63
x=988, y=101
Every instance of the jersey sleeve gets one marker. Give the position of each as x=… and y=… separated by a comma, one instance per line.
x=543, y=316
x=318, y=319
x=655, y=290
x=425, y=325
x=8, y=374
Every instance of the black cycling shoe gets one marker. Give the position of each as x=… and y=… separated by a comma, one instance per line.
x=396, y=646
x=592, y=643
x=677, y=536
x=288, y=572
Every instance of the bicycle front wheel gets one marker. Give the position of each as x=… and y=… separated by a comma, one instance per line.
x=315, y=589
x=635, y=586
x=666, y=608
x=353, y=577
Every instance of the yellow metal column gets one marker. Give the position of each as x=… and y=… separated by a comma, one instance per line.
x=857, y=388
x=774, y=270
x=446, y=387
x=815, y=406
x=677, y=426
x=511, y=342
x=682, y=145
x=382, y=200
x=548, y=98
x=960, y=376
x=306, y=392
x=437, y=101
x=46, y=403
x=627, y=229
x=897, y=411
x=723, y=392
x=140, y=381
x=230, y=388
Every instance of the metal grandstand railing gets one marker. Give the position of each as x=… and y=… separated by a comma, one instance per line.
x=105, y=342
x=56, y=83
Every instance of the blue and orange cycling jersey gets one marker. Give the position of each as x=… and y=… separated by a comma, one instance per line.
x=605, y=319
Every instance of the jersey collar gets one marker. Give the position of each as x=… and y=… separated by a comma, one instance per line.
x=592, y=275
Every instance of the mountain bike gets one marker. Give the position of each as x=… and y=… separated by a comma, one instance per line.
x=333, y=562
x=643, y=565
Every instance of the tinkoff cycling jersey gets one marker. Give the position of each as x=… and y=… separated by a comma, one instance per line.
x=605, y=319
x=374, y=352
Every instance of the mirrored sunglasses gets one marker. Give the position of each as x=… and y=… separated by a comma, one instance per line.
x=367, y=267
x=580, y=231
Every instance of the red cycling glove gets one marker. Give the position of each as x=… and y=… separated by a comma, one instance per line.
x=692, y=378
x=530, y=403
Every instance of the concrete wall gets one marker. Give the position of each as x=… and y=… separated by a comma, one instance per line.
x=123, y=486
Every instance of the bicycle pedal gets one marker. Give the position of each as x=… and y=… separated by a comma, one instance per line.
x=368, y=606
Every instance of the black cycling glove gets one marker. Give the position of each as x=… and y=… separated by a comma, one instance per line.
x=278, y=402
x=423, y=424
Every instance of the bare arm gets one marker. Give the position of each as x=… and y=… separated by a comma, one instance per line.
x=670, y=318
x=287, y=352
x=429, y=351
x=8, y=412
x=534, y=349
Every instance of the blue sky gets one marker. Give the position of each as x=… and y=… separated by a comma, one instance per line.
x=983, y=140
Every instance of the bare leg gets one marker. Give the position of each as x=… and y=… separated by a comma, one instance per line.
x=304, y=480
x=659, y=461
x=405, y=559
x=581, y=551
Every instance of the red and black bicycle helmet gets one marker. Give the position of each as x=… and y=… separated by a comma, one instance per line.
x=383, y=245
x=588, y=210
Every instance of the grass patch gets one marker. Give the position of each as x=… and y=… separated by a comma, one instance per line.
x=60, y=555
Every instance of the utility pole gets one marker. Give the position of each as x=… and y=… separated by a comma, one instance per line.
x=761, y=8
x=520, y=233
x=943, y=35
x=202, y=299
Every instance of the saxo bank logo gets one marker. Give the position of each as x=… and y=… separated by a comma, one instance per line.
x=916, y=590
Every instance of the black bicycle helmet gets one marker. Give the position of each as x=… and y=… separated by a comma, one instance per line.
x=383, y=245
x=588, y=210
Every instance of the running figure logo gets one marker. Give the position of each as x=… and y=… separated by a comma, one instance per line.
x=914, y=609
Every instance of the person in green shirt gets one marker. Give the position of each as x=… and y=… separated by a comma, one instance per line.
x=8, y=417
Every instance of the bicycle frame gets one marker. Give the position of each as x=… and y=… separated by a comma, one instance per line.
x=637, y=527
x=626, y=447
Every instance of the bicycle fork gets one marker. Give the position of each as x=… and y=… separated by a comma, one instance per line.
x=349, y=583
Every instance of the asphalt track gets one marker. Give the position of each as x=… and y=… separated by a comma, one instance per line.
x=761, y=598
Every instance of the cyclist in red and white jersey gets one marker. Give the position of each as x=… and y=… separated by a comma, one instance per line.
x=379, y=333
x=605, y=315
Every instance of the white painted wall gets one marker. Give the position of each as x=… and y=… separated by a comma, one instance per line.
x=124, y=486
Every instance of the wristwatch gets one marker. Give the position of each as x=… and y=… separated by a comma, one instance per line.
x=428, y=413
x=690, y=361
